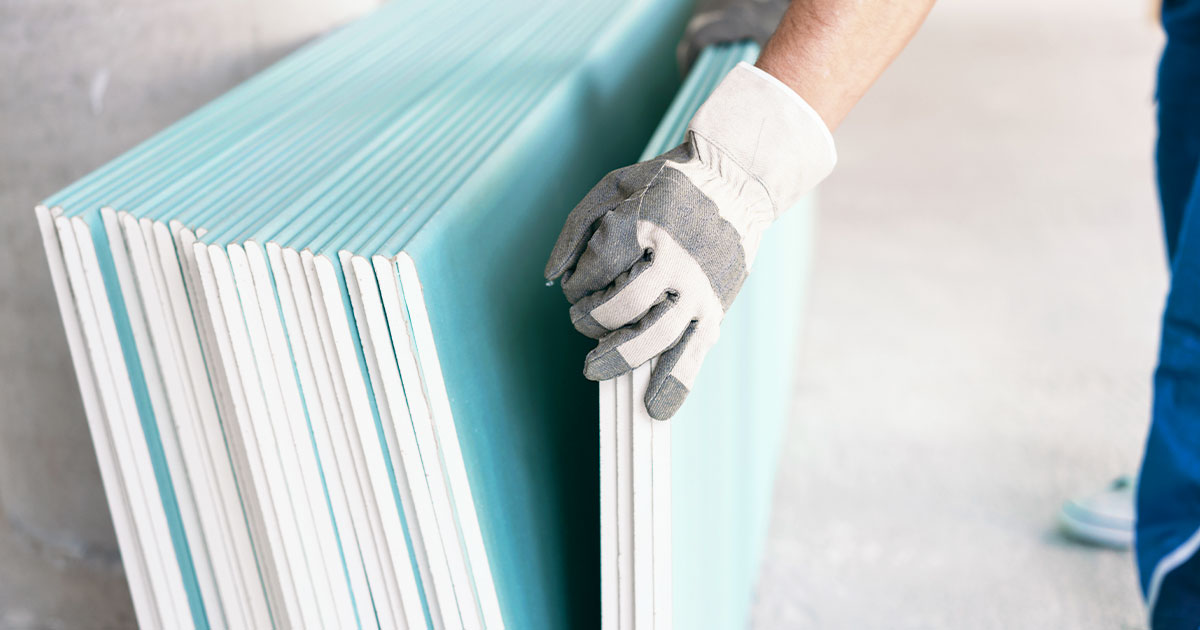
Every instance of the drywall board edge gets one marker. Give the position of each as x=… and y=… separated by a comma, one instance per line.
x=626, y=594
x=132, y=440
x=426, y=443
x=649, y=495
x=262, y=417
x=269, y=492
x=641, y=463
x=141, y=241
x=255, y=488
x=438, y=532
x=420, y=413
x=114, y=410
x=448, y=443
x=213, y=449
x=346, y=477
x=164, y=423
x=132, y=556
x=227, y=396
x=398, y=460
x=389, y=609
x=609, y=606
x=332, y=295
x=261, y=307
x=167, y=393
x=285, y=418
x=663, y=546
x=320, y=407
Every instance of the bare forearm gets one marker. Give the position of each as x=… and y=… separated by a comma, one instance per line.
x=831, y=51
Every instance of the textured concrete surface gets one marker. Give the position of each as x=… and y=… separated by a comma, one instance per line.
x=41, y=589
x=82, y=82
x=982, y=331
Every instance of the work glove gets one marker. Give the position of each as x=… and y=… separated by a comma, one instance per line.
x=654, y=255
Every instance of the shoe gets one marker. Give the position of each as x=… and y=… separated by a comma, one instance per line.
x=1104, y=518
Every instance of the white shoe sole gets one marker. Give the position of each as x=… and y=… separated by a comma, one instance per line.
x=1095, y=534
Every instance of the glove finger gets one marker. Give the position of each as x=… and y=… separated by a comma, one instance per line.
x=608, y=194
x=624, y=349
x=629, y=299
x=612, y=250
x=676, y=370
x=579, y=227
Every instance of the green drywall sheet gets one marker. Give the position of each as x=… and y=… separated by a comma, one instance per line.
x=512, y=362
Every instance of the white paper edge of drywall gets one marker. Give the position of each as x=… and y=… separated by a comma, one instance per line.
x=256, y=486
x=132, y=451
x=149, y=369
x=224, y=435
x=363, y=560
x=244, y=325
x=403, y=352
x=339, y=326
x=389, y=608
x=265, y=414
x=319, y=405
x=132, y=555
x=607, y=391
x=447, y=436
x=288, y=421
x=338, y=611
x=660, y=433
x=439, y=584
x=643, y=501
x=400, y=464
x=131, y=259
x=143, y=250
x=625, y=515
x=227, y=508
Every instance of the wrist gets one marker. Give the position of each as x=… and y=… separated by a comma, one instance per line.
x=769, y=131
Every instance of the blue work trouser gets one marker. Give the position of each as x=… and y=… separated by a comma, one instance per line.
x=1168, y=503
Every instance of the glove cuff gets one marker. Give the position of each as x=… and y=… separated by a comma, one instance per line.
x=770, y=131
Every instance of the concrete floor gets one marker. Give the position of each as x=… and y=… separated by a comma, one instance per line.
x=983, y=326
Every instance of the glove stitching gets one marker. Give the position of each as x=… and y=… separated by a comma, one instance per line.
x=642, y=195
x=732, y=158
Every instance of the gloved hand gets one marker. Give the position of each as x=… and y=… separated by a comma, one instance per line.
x=654, y=255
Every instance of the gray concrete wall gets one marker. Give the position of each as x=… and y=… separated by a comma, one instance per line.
x=81, y=82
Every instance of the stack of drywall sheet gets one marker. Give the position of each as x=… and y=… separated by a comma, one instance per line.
x=684, y=503
x=326, y=386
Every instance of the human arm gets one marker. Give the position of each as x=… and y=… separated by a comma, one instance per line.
x=655, y=254
x=831, y=51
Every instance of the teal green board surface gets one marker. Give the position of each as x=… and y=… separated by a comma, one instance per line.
x=511, y=360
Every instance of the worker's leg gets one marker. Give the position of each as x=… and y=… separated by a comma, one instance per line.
x=1168, y=526
x=1177, y=152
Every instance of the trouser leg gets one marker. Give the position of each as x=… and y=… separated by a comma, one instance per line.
x=1168, y=526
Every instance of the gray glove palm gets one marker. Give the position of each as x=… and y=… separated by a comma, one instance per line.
x=655, y=254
